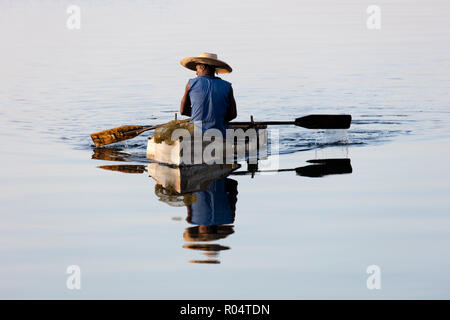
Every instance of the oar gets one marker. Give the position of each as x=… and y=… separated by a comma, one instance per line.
x=118, y=134
x=314, y=121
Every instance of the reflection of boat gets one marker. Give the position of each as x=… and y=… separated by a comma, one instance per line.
x=178, y=186
x=186, y=179
x=172, y=198
x=199, y=151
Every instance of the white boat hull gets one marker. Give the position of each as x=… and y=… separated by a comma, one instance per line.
x=201, y=152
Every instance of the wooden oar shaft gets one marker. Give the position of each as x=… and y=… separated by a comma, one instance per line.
x=313, y=121
x=261, y=123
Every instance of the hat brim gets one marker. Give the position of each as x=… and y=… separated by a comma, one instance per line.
x=191, y=62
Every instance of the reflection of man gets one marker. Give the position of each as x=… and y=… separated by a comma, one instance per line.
x=212, y=213
x=214, y=206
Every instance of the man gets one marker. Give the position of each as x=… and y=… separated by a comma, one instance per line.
x=208, y=100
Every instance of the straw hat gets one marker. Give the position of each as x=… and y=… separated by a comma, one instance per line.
x=206, y=58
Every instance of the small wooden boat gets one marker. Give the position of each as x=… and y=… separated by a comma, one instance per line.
x=247, y=144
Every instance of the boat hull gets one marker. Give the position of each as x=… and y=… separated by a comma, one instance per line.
x=197, y=151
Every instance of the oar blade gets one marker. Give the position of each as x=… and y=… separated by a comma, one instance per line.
x=325, y=121
x=118, y=134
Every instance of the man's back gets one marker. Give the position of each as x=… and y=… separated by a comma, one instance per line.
x=207, y=99
x=210, y=102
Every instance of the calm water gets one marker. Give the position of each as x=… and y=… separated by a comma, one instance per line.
x=291, y=234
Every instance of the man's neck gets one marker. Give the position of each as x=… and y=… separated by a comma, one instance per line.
x=207, y=74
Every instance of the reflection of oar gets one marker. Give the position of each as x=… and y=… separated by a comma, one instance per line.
x=319, y=168
x=314, y=121
x=322, y=167
x=125, y=168
x=110, y=154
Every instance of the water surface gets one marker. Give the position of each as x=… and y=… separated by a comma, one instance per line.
x=294, y=234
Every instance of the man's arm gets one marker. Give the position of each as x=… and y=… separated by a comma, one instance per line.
x=232, y=112
x=185, y=108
